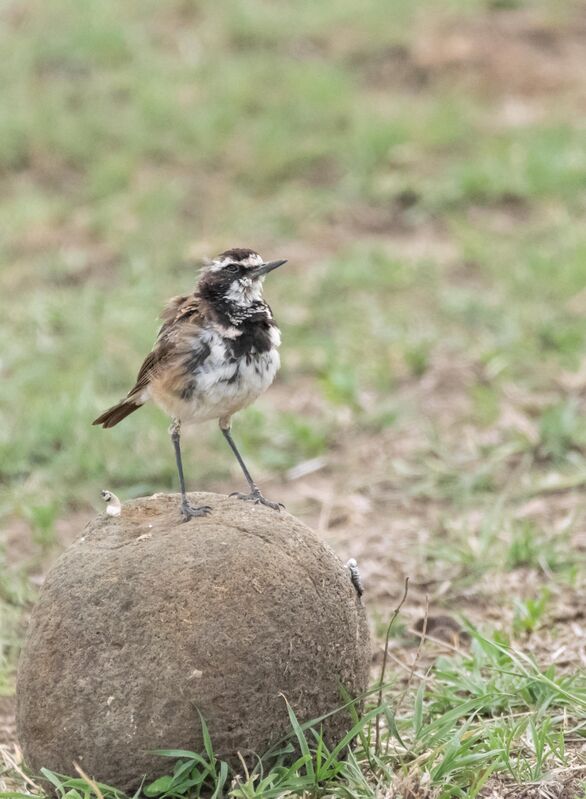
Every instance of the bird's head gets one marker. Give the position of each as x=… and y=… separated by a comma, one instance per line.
x=235, y=277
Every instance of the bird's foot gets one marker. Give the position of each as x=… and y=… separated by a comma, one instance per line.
x=189, y=512
x=258, y=499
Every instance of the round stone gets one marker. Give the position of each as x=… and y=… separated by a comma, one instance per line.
x=147, y=621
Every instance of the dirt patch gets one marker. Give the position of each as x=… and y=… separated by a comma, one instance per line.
x=395, y=66
x=392, y=228
x=84, y=256
x=516, y=51
x=522, y=54
x=18, y=541
x=559, y=786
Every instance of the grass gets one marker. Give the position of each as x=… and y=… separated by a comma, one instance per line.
x=430, y=204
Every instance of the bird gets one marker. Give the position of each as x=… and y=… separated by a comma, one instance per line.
x=215, y=353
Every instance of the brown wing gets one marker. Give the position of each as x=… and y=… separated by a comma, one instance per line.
x=181, y=319
x=177, y=314
x=179, y=309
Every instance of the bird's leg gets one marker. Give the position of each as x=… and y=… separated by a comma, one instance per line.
x=255, y=495
x=187, y=510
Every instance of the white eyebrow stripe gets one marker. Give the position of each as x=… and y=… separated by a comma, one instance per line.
x=251, y=260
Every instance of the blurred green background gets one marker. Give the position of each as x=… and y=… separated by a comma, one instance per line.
x=425, y=208
x=423, y=168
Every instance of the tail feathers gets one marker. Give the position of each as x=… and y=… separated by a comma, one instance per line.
x=118, y=412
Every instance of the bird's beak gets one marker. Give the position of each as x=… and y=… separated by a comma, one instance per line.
x=264, y=269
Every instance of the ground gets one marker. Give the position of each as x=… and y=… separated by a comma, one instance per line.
x=424, y=171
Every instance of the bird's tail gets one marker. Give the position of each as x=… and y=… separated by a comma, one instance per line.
x=117, y=412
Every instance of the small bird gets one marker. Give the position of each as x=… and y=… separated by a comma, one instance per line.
x=216, y=352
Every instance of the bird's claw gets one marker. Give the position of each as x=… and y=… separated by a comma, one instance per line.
x=258, y=499
x=189, y=512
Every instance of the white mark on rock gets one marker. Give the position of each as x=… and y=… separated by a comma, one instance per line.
x=113, y=504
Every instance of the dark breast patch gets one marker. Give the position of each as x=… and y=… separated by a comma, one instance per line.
x=254, y=339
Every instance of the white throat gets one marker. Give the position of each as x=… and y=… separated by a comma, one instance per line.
x=244, y=292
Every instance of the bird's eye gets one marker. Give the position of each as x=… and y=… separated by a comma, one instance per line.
x=232, y=268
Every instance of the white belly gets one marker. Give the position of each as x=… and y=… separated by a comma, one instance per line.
x=231, y=387
x=220, y=386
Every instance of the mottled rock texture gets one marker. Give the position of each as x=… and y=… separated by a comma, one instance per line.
x=145, y=620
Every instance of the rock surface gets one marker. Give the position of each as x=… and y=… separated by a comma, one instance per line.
x=145, y=620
